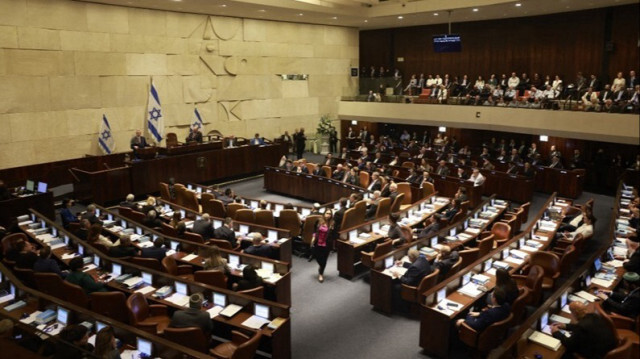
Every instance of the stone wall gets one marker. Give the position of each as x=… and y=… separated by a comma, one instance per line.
x=64, y=64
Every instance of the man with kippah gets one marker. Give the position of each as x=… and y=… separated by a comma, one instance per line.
x=193, y=316
x=626, y=301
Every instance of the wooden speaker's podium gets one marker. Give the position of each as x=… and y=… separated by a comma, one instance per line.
x=146, y=153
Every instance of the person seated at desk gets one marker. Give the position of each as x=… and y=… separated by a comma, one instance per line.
x=586, y=229
x=4, y=192
x=129, y=202
x=487, y=165
x=513, y=169
x=90, y=214
x=85, y=281
x=392, y=191
x=319, y=171
x=158, y=251
x=395, y=230
x=258, y=247
x=78, y=336
x=46, y=264
x=339, y=173
x=150, y=205
x=633, y=263
x=417, y=268
x=625, y=301
x=462, y=174
x=445, y=260
x=555, y=163
x=590, y=337
x=257, y=140
x=442, y=169
x=203, y=227
x=226, y=232
x=176, y=219
x=106, y=347
x=461, y=194
x=302, y=167
x=227, y=196
x=151, y=220
x=26, y=255
x=250, y=279
x=214, y=260
x=352, y=177
x=83, y=231
x=194, y=135
x=124, y=249
x=508, y=284
x=95, y=236
x=194, y=316
x=451, y=211
x=498, y=310
x=372, y=205
x=528, y=171
x=432, y=227
x=65, y=213
x=231, y=141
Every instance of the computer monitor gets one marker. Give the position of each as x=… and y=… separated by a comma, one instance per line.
x=147, y=278
x=116, y=269
x=189, y=187
x=465, y=225
x=96, y=260
x=198, y=217
x=123, y=223
x=434, y=241
x=43, y=224
x=13, y=290
x=244, y=229
x=30, y=186
x=442, y=293
x=306, y=212
x=388, y=262
x=261, y=310
x=139, y=231
x=521, y=242
x=272, y=235
x=62, y=316
x=109, y=217
x=80, y=249
x=269, y=267
x=544, y=320
x=144, y=347
x=217, y=223
x=42, y=187
x=587, y=281
x=219, y=300
x=54, y=231
x=487, y=265
x=198, y=189
x=174, y=245
x=279, y=208
x=375, y=227
x=597, y=264
x=563, y=299
x=183, y=213
x=99, y=326
x=453, y=231
x=253, y=204
x=353, y=235
x=167, y=208
x=505, y=253
x=234, y=260
x=98, y=212
x=181, y=288
x=66, y=240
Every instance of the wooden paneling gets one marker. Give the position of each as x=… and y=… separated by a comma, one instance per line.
x=551, y=44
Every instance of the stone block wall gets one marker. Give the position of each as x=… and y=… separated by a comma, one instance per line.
x=63, y=64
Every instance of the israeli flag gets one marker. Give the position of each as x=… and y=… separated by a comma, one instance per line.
x=197, y=121
x=155, y=121
x=105, y=137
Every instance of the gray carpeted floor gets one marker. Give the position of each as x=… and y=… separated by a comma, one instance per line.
x=335, y=320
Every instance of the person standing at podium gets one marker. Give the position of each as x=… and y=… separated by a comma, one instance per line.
x=137, y=142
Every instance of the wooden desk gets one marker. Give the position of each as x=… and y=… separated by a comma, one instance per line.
x=102, y=186
x=19, y=205
x=306, y=186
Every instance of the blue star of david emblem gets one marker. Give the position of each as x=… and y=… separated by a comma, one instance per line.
x=105, y=135
x=196, y=124
x=155, y=114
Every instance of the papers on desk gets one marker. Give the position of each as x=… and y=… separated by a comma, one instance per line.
x=213, y=312
x=448, y=307
x=230, y=310
x=619, y=251
x=519, y=254
x=473, y=230
x=255, y=322
x=25, y=223
x=602, y=282
x=6, y=298
x=357, y=240
x=264, y=273
x=491, y=271
x=170, y=252
x=273, y=278
x=528, y=249
x=146, y=290
x=540, y=238
x=132, y=282
x=514, y=260
x=427, y=251
x=614, y=263
x=575, y=298
x=622, y=221
x=189, y=258
x=364, y=235
x=31, y=318
x=545, y=340
x=470, y=290
x=69, y=255
x=559, y=319
x=89, y=267
x=588, y=296
x=178, y=299
x=395, y=271
x=146, y=244
x=464, y=236
x=133, y=354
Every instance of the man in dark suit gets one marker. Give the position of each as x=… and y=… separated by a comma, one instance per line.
x=339, y=173
x=514, y=157
x=318, y=171
x=203, y=227
x=157, y=251
x=590, y=337
x=393, y=191
x=138, y=141
x=372, y=205
x=432, y=228
x=416, y=270
x=339, y=215
x=594, y=83
x=258, y=247
x=442, y=169
x=445, y=260
x=605, y=94
x=129, y=202
x=375, y=184
x=46, y=264
x=333, y=140
x=301, y=140
x=226, y=232
x=90, y=215
x=193, y=317
x=496, y=311
x=451, y=211
x=124, y=249
x=626, y=301
x=194, y=135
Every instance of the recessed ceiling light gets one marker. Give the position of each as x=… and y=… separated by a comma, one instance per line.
x=174, y=1
x=366, y=21
x=400, y=17
x=335, y=18
x=223, y=5
x=300, y=14
x=262, y=10
x=475, y=10
x=435, y=14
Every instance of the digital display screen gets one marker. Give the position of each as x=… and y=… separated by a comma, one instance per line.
x=388, y=262
x=144, y=346
x=272, y=235
x=30, y=185
x=268, y=266
x=219, y=300
x=447, y=43
x=63, y=315
x=147, y=278
x=42, y=187
x=181, y=288
x=116, y=269
x=234, y=260
x=261, y=310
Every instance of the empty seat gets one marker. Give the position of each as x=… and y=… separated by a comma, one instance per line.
x=190, y=337
x=215, y=278
x=240, y=347
x=150, y=318
x=110, y=304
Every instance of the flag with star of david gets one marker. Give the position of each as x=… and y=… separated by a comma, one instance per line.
x=155, y=117
x=197, y=120
x=105, y=137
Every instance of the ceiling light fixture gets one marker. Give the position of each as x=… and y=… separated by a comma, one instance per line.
x=366, y=21
x=262, y=10
x=400, y=17
x=475, y=10
x=223, y=5
x=435, y=14
x=300, y=14
x=335, y=18
x=518, y=4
